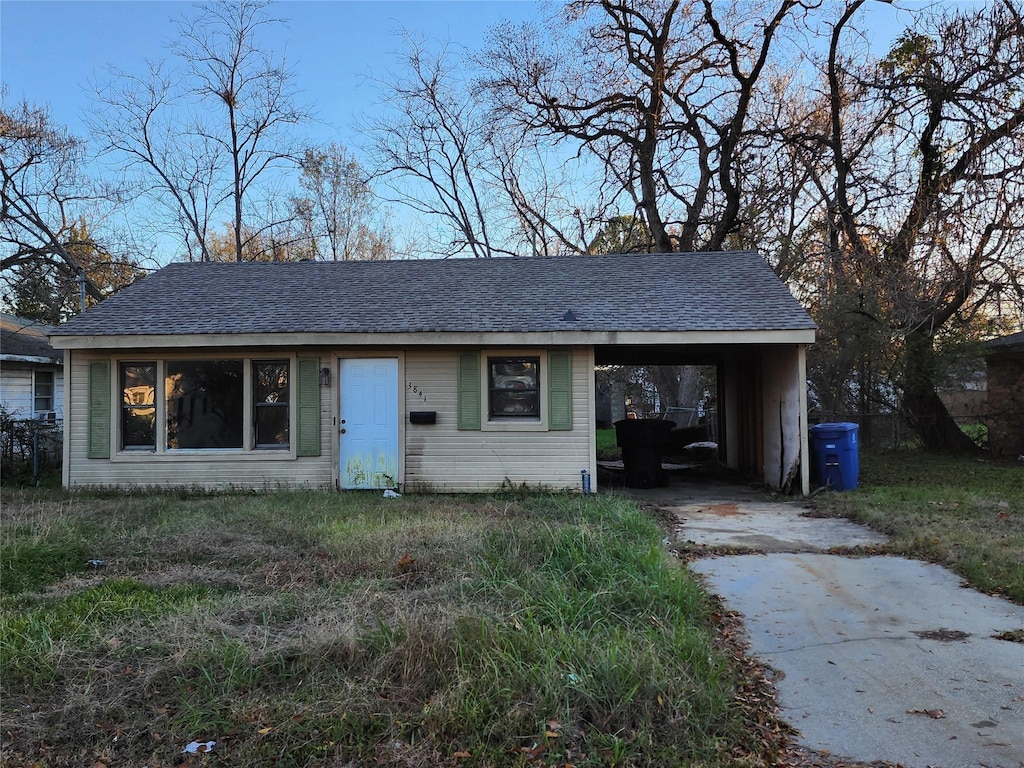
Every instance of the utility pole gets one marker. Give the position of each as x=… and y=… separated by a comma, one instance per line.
x=81, y=286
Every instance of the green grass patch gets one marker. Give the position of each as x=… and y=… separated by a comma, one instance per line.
x=33, y=565
x=607, y=447
x=35, y=640
x=963, y=512
x=320, y=629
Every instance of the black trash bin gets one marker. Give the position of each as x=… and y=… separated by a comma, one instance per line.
x=835, y=454
x=643, y=443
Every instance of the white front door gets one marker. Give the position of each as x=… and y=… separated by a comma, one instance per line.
x=369, y=422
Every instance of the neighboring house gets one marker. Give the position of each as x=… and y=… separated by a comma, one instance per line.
x=1004, y=359
x=434, y=375
x=31, y=371
x=964, y=394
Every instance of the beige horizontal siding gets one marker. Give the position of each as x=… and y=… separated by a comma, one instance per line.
x=16, y=390
x=16, y=393
x=437, y=457
x=440, y=457
x=196, y=470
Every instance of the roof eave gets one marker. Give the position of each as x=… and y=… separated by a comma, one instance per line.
x=435, y=338
x=32, y=359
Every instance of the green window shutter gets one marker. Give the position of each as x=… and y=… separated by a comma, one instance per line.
x=99, y=410
x=469, y=390
x=307, y=422
x=560, y=390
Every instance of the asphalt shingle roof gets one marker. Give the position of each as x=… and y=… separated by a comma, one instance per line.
x=645, y=292
x=26, y=338
x=1006, y=342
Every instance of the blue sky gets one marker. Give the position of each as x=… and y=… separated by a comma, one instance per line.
x=50, y=51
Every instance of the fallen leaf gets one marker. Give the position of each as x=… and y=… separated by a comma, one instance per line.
x=462, y=755
x=935, y=714
x=533, y=752
x=264, y=731
x=405, y=562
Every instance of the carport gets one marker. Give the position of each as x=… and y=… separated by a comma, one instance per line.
x=762, y=397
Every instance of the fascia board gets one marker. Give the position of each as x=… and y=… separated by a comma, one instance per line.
x=442, y=338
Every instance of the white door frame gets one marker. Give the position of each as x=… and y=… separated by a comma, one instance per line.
x=386, y=470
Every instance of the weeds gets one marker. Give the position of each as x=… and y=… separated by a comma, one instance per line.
x=319, y=629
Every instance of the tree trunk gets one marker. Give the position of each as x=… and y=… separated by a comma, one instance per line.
x=921, y=405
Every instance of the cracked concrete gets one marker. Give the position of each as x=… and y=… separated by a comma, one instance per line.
x=879, y=658
x=855, y=678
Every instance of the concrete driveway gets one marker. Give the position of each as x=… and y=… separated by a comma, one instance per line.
x=879, y=658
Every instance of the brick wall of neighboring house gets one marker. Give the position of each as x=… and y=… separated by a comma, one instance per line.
x=964, y=404
x=1006, y=403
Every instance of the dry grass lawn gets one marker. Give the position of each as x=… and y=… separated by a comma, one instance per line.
x=324, y=629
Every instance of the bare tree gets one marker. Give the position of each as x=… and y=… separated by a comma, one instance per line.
x=255, y=92
x=211, y=134
x=924, y=187
x=43, y=194
x=178, y=169
x=658, y=91
x=431, y=150
x=339, y=210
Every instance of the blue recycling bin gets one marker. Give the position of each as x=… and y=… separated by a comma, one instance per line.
x=835, y=454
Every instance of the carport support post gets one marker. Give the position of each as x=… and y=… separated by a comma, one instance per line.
x=784, y=417
x=805, y=455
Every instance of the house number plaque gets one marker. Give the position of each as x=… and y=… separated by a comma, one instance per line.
x=415, y=391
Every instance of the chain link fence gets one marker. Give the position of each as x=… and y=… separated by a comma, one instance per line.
x=29, y=448
x=891, y=432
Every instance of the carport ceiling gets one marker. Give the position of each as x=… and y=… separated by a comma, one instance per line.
x=670, y=354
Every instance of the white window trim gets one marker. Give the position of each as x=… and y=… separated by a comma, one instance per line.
x=36, y=413
x=487, y=424
x=161, y=453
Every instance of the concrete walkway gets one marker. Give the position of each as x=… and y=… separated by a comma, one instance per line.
x=880, y=658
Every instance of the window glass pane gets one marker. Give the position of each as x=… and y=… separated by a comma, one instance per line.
x=514, y=387
x=272, y=427
x=204, y=403
x=44, y=391
x=138, y=405
x=270, y=402
x=271, y=381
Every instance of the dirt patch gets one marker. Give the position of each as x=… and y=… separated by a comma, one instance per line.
x=942, y=634
x=1011, y=636
x=724, y=510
